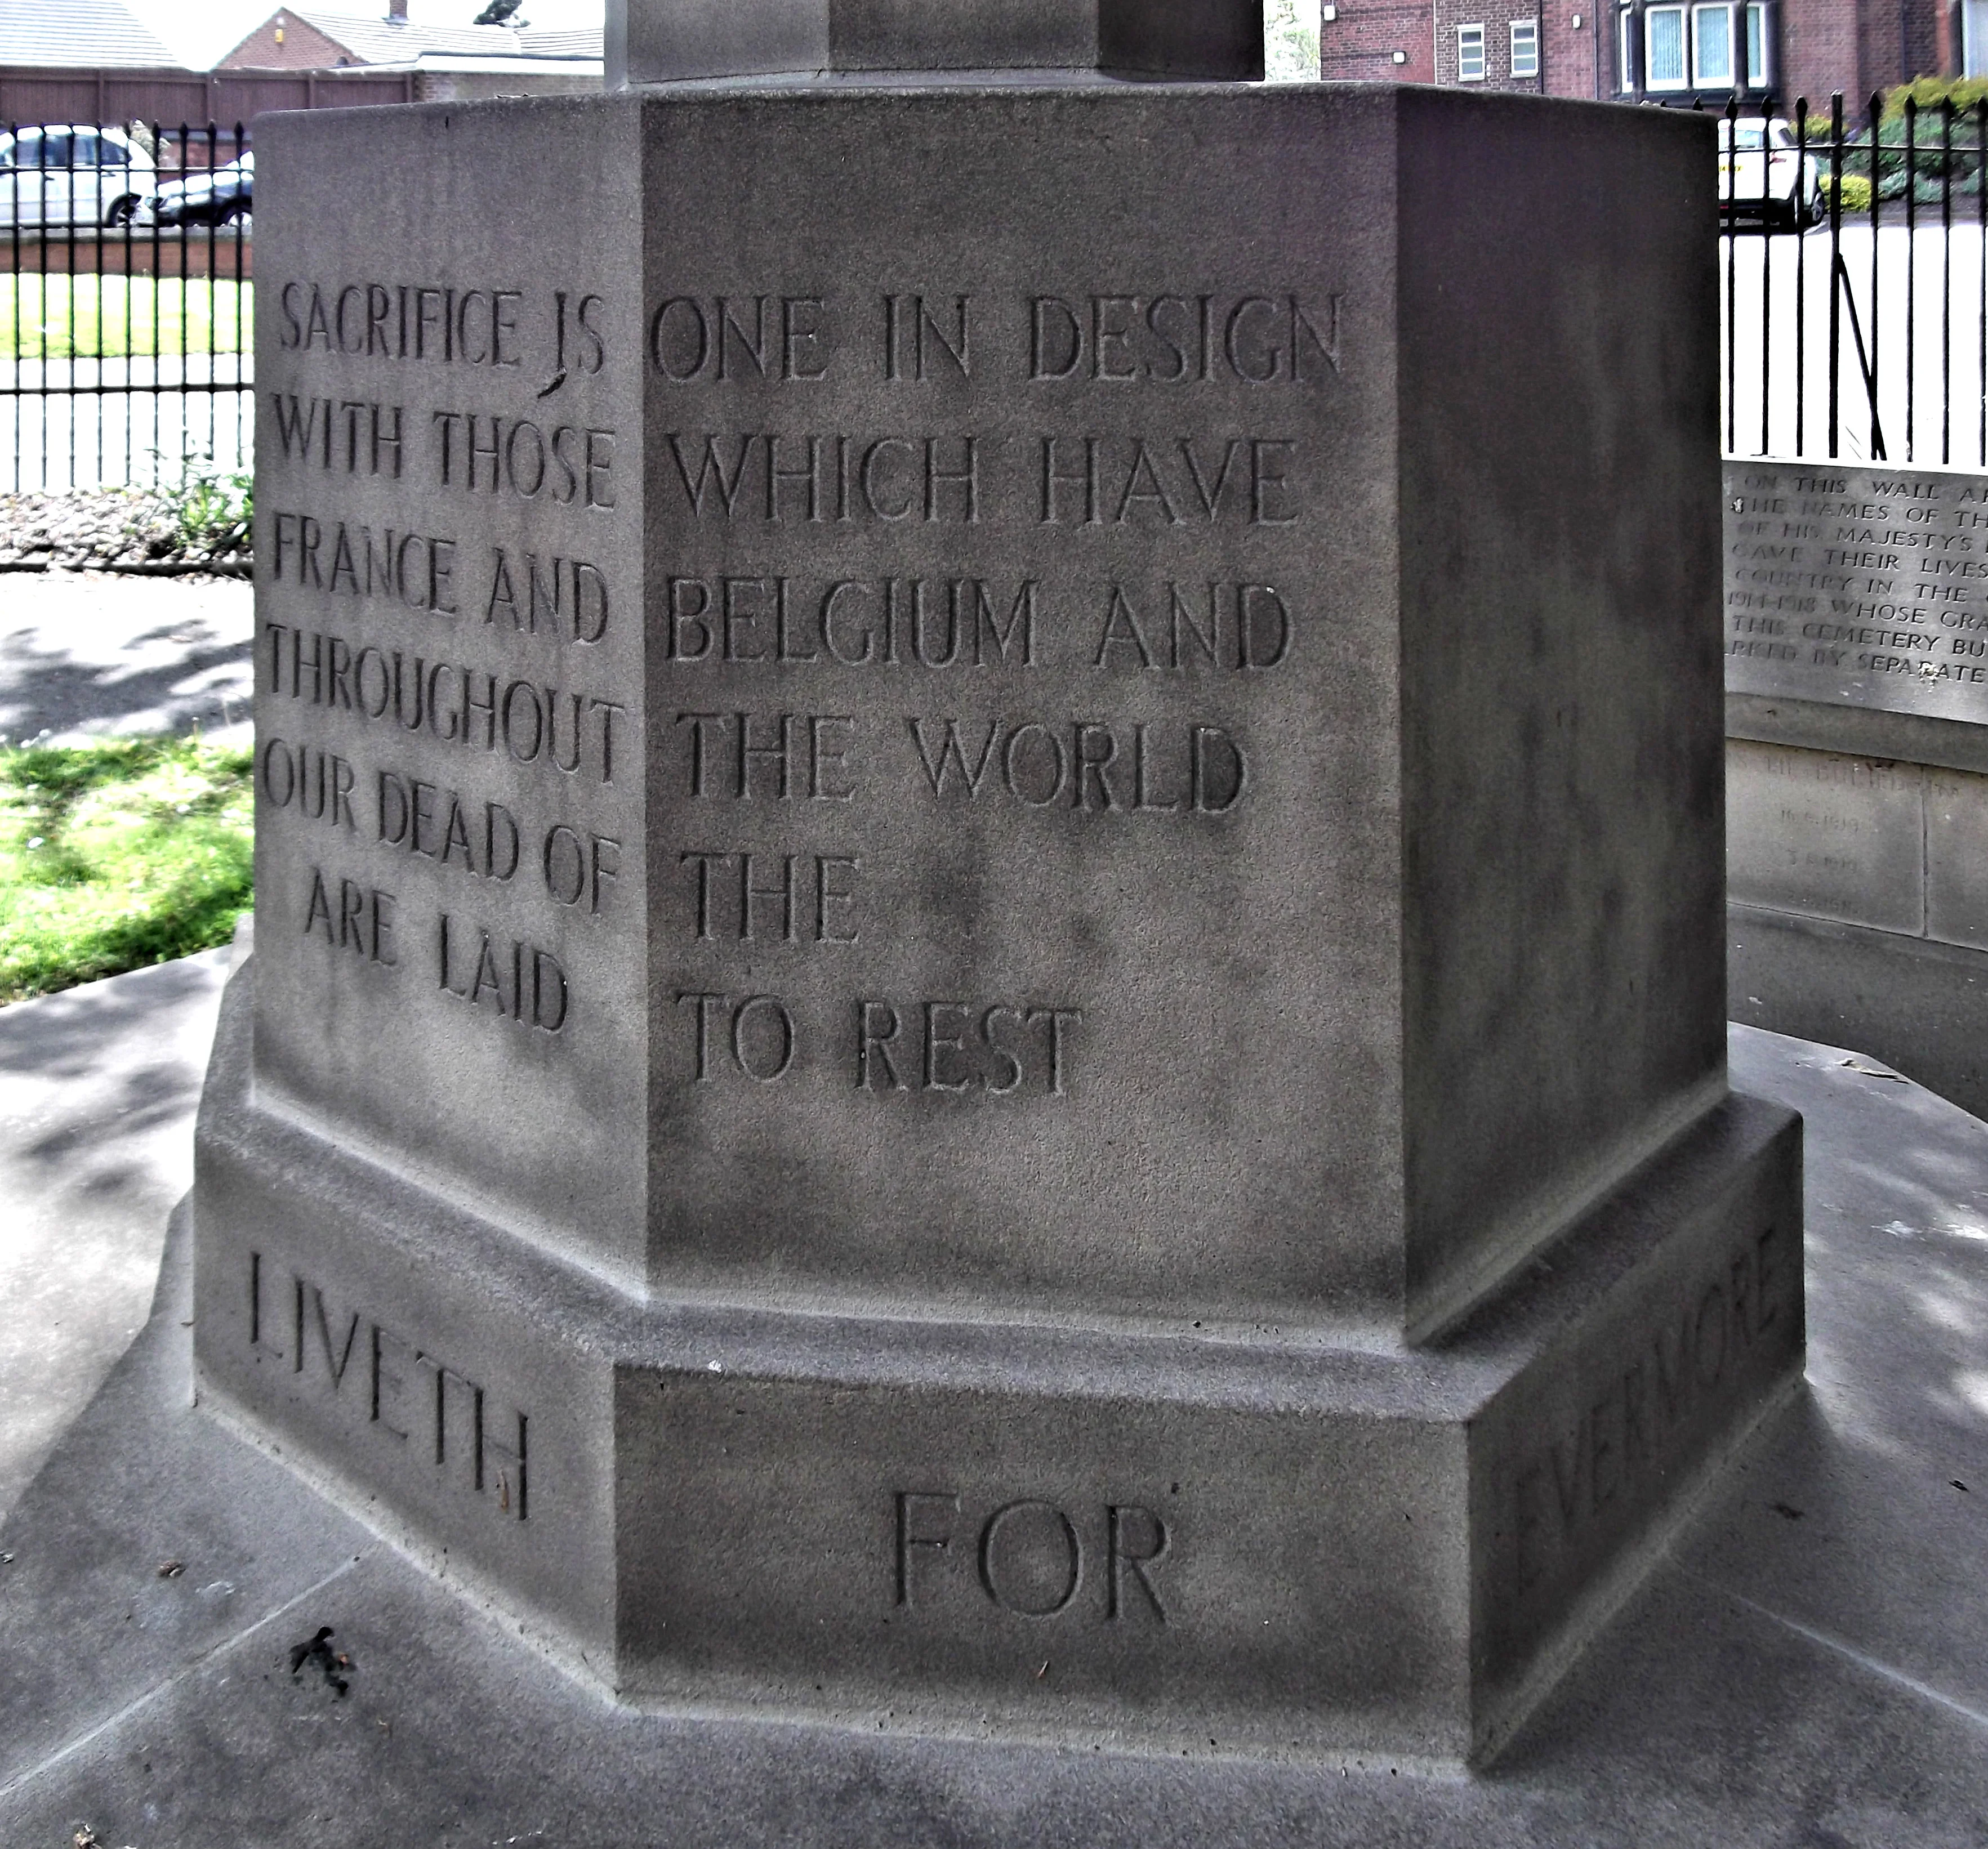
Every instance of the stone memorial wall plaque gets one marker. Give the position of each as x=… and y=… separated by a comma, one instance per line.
x=1833, y=837
x=976, y=819
x=1858, y=585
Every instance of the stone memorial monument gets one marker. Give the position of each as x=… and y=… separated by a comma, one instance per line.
x=1856, y=672
x=988, y=989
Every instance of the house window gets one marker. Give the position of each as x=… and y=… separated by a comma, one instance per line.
x=1974, y=37
x=1626, y=46
x=1470, y=54
x=1711, y=46
x=1756, y=47
x=1663, y=48
x=1525, y=48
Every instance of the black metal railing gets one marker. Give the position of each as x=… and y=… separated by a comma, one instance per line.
x=1864, y=336
x=126, y=316
x=125, y=324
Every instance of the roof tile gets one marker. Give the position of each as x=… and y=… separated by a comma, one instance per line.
x=75, y=32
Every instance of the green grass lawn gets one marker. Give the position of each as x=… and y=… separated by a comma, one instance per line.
x=110, y=317
x=118, y=855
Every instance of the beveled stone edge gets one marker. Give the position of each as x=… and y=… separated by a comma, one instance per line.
x=1598, y=1603
x=1555, y=1212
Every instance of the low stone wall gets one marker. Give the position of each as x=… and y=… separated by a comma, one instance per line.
x=222, y=251
x=1857, y=720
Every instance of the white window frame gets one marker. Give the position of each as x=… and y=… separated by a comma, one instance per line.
x=1525, y=48
x=1464, y=73
x=1754, y=16
x=1626, y=47
x=1682, y=80
x=1700, y=77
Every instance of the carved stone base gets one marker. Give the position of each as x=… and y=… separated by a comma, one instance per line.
x=1027, y=1530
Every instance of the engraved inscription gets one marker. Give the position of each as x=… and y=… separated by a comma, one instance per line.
x=444, y=698
x=1858, y=587
x=347, y=916
x=1029, y=1557
x=1623, y=1441
x=1169, y=339
x=530, y=722
x=398, y=1390
x=356, y=436
x=1084, y=765
x=450, y=326
x=514, y=980
x=935, y=541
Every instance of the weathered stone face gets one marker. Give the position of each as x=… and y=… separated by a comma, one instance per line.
x=1857, y=671
x=665, y=41
x=1073, y=767
x=990, y=786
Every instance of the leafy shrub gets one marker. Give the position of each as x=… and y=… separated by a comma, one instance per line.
x=1854, y=190
x=213, y=507
x=1930, y=93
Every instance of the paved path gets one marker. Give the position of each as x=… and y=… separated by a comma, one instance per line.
x=92, y=652
x=1805, y=1665
x=97, y=1090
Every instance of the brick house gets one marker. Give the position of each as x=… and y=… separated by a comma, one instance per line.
x=448, y=63
x=1658, y=51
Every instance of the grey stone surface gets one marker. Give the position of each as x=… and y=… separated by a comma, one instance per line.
x=1858, y=585
x=1918, y=1005
x=97, y=1090
x=1858, y=732
x=1829, y=836
x=1859, y=904
x=745, y=1509
x=990, y=886
x=1450, y=975
x=664, y=41
x=84, y=653
x=1804, y=1666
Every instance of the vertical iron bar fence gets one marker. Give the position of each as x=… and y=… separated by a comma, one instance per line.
x=126, y=322
x=1863, y=305
x=125, y=308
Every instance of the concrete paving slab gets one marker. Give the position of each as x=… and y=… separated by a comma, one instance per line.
x=82, y=654
x=1804, y=1668
x=98, y=1087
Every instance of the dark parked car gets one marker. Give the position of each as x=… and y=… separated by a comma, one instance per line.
x=211, y=198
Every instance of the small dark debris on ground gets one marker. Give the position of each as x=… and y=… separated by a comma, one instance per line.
x=318, y=1650
x=172, y=1570
x=113, y=529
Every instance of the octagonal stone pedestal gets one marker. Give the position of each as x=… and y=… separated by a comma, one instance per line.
x=989, y=894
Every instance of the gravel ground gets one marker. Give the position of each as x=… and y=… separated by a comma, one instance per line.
x=131, y=530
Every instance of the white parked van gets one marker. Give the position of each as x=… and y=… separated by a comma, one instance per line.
x=64, y=174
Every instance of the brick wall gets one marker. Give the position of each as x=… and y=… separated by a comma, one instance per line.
x=1852, y=45
x=1858, y=46
x=1570, y=51
x=1496, y=16
x=1359, y=45
x=300, y=47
